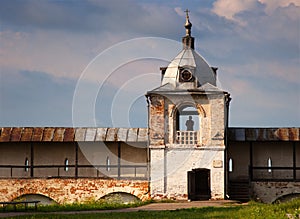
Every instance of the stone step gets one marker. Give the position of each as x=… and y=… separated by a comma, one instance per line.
x=239, y=190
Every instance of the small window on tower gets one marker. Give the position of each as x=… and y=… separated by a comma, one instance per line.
x=186, y=76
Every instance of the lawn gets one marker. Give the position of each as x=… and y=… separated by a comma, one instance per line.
x=252, y=210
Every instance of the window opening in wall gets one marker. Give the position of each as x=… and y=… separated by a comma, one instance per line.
x=230, y=165
x=66, y=164
x=269, y=164
x=187, y=125
x=188, y=119
x=26, y=165
x=107, y=163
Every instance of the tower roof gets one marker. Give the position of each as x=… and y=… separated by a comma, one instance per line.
x=188, y=61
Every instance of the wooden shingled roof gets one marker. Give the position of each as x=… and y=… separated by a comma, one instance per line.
x=59, y=134
x=264, y=134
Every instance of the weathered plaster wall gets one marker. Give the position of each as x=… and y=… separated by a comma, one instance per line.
x=71, y=190
x=269, y=192
x=217, y=120
x=157, y=172
x=156, y=120
x=169, y=168
x=171, y=161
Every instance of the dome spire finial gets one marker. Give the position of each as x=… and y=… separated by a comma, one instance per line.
x=188, y=24
x=188, y=40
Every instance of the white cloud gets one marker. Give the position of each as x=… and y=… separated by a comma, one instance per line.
x=261, y=93
x=260, y=44
x=62, y=45
x=272, y=5
x=229, y=8
x=179, y=11
x=57, y=53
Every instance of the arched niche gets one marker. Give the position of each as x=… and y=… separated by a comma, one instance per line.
x=187, y=123
x=187, y=118
x=287, y=197
x=120, y=198
x=44, y=200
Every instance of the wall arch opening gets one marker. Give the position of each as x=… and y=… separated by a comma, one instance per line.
x=44, y=200
x=120, y=198
x=287, y=198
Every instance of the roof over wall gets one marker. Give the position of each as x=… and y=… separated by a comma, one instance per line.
x=59, y=134
x=264, y=134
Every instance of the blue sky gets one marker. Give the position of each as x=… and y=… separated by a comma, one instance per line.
x=48, y=49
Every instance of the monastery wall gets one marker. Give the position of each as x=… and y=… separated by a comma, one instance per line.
x=268, y=192
x=65, y=191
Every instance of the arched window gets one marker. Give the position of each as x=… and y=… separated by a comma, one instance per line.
x=26, y=165
x=187, y=125
x=187, y=119
x=66, y=165
x=270, y=164
x=230, y=165
x=107, y=163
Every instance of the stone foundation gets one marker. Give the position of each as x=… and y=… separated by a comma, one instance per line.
x=269, y=192
x=65, y=191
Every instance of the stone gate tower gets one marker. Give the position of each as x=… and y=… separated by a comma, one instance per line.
x=187, y=125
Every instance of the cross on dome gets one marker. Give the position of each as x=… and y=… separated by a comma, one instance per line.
x=188, y=24
x=187, y=12
x=188, y=40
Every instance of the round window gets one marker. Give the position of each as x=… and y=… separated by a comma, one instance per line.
x=186, y=75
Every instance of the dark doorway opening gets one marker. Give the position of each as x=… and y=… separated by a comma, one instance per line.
x=199, y=185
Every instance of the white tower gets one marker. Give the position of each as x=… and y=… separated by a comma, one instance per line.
x=187, y=125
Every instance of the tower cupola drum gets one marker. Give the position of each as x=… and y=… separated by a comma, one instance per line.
x=188, y=69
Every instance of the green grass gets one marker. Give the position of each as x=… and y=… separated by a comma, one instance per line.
x=92, y=205
x=252, y=210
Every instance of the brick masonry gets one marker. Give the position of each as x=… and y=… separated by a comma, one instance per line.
x=65, y=191
x=268, y=192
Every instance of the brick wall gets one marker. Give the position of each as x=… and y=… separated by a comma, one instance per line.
x=269, y=192
x=156, y=120
x=71, y=190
